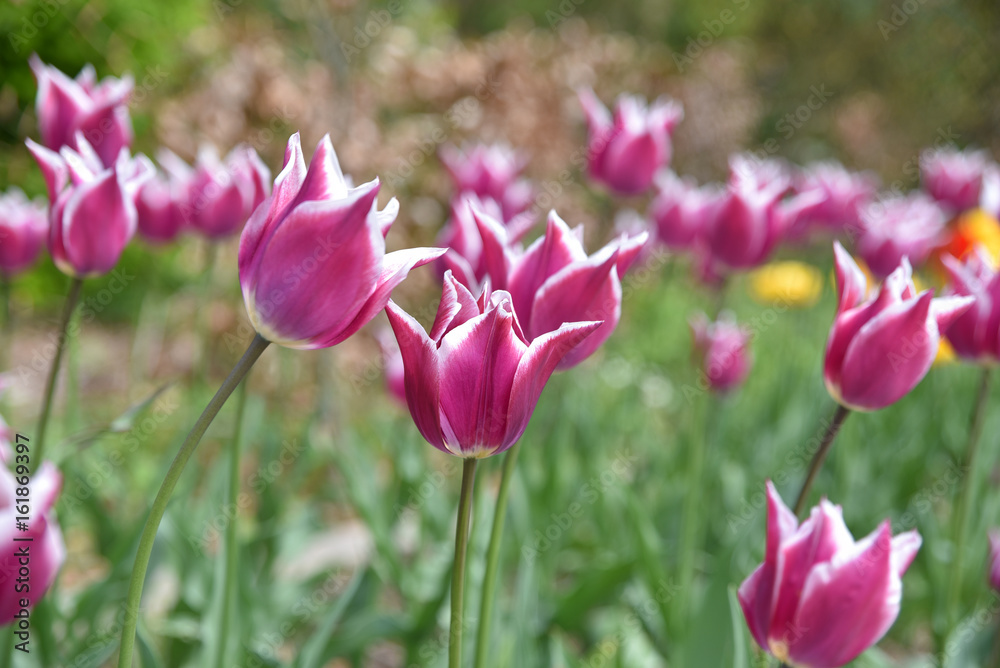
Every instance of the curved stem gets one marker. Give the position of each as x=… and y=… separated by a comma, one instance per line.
x=493, y=557
x=230, y=555
x=50, y=383
x=817, y=461
x=458, y=571
x=7, y=322
x=134, y=596
x=966, y=495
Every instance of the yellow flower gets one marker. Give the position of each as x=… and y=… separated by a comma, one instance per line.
x=972, y=228
x=945, y=353
x=792, y=283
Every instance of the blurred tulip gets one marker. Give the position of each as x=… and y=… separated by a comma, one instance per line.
x=473, y=383
x=954, y=178
x=723, y=350
x=392, y=364
x=464, y=242
x=92, y=212
x=23, y=227
x=683, y=211
x=312, y=258
x=821, y=598
x=910, y=226
x=749, y=222
x=490, y=171
x=158, y=206
x=627, y=150
x=68, y=107
x=220, y=196
x=43, y=539
x=994, y=575
x=880, y=348
x=841, y=194
x=554, y=281
x=975, y=334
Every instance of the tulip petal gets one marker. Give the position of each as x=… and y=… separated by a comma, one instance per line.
x=53, y=168
x=495, y=256
x=421, y=375
x=457, y=306
x=395, y=267
x=629, y=249
x=98, y=222
x=324, y=179
x=598, y=116
x=847, y=604
x=851, y=281
x=536, y=365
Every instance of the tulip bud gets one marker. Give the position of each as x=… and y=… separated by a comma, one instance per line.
x=954, y=178
x=23, y=227
x=312, y=258
x=43, y=541
x=554, y=281
x=723, y=349
x=975, y=334
x=158, y=207
x=683, y=211
x=92, y=213
x=473, y=382
x=221, y=196
x=910, y=226
x=626, y=151
x=68, y=108
x=880, y=348
x=839, y=197
x=821, y=598
x=490, y=172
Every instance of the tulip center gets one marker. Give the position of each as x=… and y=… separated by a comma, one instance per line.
x=779, y=648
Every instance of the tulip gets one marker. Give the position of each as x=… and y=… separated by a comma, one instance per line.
x=840, y=196
x=682, y=211
x=159, y=209
x=220, y=196
x=23, y=227
x=626, y=151
x=312, y=258
x=473, y=382
x=821, y=598
x=749, y=222
x=554, y=281
x=92, y=213
x=911, y=226
x=723, y=348
x=975, y=335
x=68, y=108
x=464, y=242
x=954, y=178
x=43, y=538
x=490, y=172
x=880, y=348
x=995, y=559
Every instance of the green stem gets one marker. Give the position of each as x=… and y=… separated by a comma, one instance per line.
x=230, y=554
x=134, y=596
x=966, y=495
x=692, y=519
x=458, y=572
x=7, y=649
x=50, y=383
x=493, y=557
x=817, y=461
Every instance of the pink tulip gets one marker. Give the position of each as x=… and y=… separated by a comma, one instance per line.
x=472, y=384
x=490, y=172
x=23, y=227
x=68, y=107
x=954, y=178
x=92, y=213
x=158, y=206
x=840, y=196
x=627, y=150
x=975, y=335
x=45, y=544
x=462, y=238
x=821, y=598
x=554, y=281
x=749, y=222
x=880, y=348
x=312, y=258
x=682, y=210
x=994, y=575
x=220, y=196
x=723, y=350
x=910, y=226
